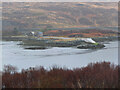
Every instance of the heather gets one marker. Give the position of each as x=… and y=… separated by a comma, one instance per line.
x=94, y=75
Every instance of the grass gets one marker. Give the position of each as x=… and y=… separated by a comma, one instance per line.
x=96, y=43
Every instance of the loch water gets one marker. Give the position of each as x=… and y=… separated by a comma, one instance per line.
x=16, y=55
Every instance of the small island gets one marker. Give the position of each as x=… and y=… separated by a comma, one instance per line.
x=45, y=42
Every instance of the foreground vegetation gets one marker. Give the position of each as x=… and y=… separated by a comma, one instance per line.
x=95, y=75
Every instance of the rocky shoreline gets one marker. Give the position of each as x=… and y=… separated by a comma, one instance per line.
x=91, y=46
x=35, y=48
x=44, y=44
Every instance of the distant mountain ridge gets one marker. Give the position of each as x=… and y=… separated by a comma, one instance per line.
x=58, y=15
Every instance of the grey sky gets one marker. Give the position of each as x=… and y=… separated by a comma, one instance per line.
x=59, y=0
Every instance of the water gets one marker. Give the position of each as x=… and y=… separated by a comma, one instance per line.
x=16, y=55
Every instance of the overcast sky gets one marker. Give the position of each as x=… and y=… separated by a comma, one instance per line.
x=59, y=0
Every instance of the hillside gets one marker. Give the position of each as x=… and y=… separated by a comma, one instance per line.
x=58, y=15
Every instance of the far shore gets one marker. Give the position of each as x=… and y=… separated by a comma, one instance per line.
x=46, y=42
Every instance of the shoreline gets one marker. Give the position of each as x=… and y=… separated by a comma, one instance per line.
x=45, y=43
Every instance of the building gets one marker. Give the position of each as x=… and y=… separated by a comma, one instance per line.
x=31, y=33
x=35, y=34
x=39, y=34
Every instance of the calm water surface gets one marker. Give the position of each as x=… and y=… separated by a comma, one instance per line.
x=16, y=55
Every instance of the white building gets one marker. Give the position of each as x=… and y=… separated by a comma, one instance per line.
x=88, y=40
